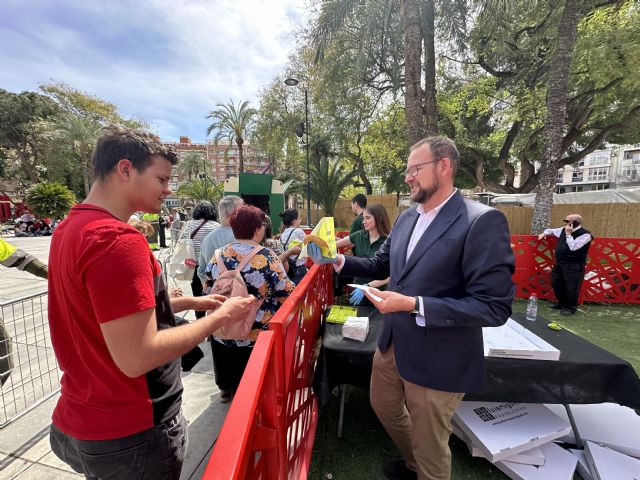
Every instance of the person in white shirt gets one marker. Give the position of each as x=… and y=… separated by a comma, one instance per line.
x=571, y=257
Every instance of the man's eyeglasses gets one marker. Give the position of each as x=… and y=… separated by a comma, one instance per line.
x=566, y=221
x=414, y=169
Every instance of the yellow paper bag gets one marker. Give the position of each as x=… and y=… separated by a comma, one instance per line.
x=323, y=235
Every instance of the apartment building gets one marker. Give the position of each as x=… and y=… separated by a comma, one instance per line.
x=219, y=161
x=613, y=166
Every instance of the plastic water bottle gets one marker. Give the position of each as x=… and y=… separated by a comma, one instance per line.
x=532, y=308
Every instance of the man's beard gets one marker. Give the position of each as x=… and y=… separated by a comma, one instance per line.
x=424, y=194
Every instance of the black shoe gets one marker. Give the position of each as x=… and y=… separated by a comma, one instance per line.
x=225, y=396
x=398, y=470
x=567, y=311
x=556, y=306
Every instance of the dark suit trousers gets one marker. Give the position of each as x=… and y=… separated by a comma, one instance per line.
x=566, y=280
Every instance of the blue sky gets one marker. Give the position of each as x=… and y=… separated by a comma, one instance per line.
x=167, y=61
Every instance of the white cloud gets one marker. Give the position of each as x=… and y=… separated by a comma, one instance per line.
x=167, y=61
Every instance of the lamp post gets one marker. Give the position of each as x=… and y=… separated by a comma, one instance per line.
x=292, y=82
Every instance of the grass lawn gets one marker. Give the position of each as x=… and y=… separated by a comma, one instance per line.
x=365, y=446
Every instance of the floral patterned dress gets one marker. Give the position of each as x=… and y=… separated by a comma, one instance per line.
x=265, y=278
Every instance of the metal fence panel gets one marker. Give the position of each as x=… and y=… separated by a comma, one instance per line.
x=30, y=373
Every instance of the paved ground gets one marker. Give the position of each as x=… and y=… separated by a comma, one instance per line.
x=24, y=445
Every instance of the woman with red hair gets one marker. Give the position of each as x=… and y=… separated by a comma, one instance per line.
x=265, y=278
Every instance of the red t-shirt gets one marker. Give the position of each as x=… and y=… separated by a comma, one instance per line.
x=101, y=269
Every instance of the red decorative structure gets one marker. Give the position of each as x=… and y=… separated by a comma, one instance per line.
x=612, y=272
x=270, y=427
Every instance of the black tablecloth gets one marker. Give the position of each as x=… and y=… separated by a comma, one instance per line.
x=585, y=372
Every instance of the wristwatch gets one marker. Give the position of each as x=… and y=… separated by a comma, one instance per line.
x=416, y=308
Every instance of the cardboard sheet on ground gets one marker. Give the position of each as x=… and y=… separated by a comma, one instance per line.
x=583, y=465
x=512, y=340
x=504, y=429
x=529, y=457
x=364, y=288
x=607, y=464
x=323, y=235
x=608, y=424
x=559, y=465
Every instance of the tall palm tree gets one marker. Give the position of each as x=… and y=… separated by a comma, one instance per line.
x=233, y=123
x=191, y=164
x=79, y=134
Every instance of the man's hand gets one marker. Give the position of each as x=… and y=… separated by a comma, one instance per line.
x=175, y=292
x=208, y=302
x=541, y=236
x=233, y=310
x=390, y=301
x=568, y=229
x=315, y=254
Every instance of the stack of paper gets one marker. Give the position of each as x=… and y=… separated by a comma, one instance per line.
x=501, y=430
x=339, y=314
x=356, y=328
x=512, y=340
x=559, y=465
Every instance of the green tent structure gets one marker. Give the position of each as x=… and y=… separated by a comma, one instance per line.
x=259, y=190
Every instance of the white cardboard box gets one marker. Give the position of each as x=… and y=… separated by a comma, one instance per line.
x=529, y=457
x=512, y=340
x=607, y=424
x=500, y=430
x=607, y=464
x=559, y=465
x=583, y=465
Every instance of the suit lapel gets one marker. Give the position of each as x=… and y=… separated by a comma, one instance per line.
x=445, y=218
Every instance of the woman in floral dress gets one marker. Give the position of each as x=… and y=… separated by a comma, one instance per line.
x=265, y=278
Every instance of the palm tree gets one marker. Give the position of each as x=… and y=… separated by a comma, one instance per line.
x=199, y=189
x=328, y=177
x=191, y=164
x=79, y=134
x=233, y=123
x=50, y=199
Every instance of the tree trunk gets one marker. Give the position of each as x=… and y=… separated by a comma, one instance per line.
x=240, y=142
x=412, y=70
x=557, y=98
x=430, y=100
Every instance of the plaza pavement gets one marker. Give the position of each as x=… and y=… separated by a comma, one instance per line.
x=24, y=443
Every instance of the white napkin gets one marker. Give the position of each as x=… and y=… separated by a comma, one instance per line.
x=356, y=328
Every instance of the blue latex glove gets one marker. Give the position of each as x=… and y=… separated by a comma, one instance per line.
x=313, y=250
x=356, y=296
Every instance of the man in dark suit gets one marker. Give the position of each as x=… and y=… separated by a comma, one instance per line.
x=450, y=264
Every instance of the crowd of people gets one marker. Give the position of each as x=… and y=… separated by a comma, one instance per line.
x=440, y=274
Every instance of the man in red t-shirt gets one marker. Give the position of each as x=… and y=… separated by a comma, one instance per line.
x=112, y=323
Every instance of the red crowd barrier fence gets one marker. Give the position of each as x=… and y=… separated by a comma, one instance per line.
x=270, y=427
x=612, y=272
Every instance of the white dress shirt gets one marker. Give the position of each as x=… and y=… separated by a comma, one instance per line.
x=573, y=243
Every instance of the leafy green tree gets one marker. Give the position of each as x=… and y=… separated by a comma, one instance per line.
x=328, y=177
x=233, y=123
x=23, y=129
x=50, y=199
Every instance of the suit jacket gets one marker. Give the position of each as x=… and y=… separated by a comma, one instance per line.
x=461, y=267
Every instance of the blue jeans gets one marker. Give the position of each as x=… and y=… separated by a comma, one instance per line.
x=156, y=453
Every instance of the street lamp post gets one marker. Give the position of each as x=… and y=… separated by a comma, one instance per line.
x=292, y=82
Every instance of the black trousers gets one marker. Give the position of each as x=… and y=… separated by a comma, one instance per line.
x=161, y=236
x=566, y=280
x=229, y=364
x=196, y=287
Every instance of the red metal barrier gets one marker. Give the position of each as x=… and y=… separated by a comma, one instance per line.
x=612, y=272
x=270, y=427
